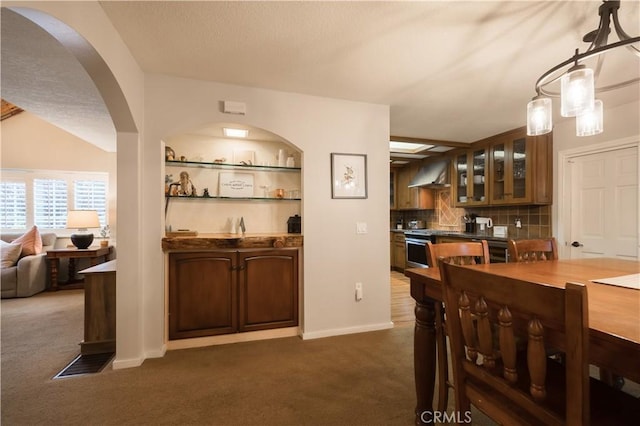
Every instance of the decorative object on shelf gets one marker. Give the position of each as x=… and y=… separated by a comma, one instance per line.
x=205, y=193
x=169, y=154
x=104, y=234
x=233, y=184
x=168, y=180
x=348, y=175
x=294, y=224
x=220, y=160
x=290, y=161
x=186, y=187
x=82, y=220
x=279, y=193
x=577, y=91
x=246, y=158
x=183, y=158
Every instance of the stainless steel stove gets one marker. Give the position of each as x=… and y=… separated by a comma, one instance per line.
x=415, y=243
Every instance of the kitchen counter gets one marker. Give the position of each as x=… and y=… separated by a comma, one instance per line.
x=231, y=241
x=458, y=234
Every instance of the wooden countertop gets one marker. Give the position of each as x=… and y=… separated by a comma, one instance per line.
x=232, y=241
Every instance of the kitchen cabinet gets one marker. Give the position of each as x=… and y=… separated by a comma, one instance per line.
x=470, y=177
x=507, y=169
x=399, y=256
x=392, y=190
x=229, y=291
x=521, y=170
x=412, y=198
x=264, y=180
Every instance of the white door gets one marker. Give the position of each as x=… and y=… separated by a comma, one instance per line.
x=604, y=204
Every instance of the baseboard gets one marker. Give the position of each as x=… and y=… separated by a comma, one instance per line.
x=348, y=330
x=119, y=364
x=224, y=339
x=159, y=353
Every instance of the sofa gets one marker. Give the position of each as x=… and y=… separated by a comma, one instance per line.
x=29, y=275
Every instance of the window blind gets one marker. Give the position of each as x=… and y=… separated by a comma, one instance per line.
x=50, y=203
x=13, y=205
x=91, y=195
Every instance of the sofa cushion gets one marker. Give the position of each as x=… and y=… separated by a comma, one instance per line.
x=31, y=242
x=9, y=254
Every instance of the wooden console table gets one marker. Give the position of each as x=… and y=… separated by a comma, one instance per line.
x=95, y=254
x=99, y=309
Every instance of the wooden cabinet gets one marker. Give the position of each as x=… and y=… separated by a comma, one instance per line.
x=268, y=289
x=508, y=169
x=392, y=190
x=221, y=292
x=412, y=198
x=470, y=177
x=399, y=251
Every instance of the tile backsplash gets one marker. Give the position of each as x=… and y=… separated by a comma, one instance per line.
x=536, y=220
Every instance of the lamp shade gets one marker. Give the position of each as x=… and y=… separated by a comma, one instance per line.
x=539, y=117
x=82, y=219
x=577, y=91
x=591, y=122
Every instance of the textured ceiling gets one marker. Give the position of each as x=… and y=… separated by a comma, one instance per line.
x=457, y=71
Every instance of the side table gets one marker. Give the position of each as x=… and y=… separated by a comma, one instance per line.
x=95, y=254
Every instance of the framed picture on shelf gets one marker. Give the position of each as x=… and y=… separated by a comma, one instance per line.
x=348, y=175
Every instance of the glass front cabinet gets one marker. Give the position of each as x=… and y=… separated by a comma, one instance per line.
x=470, y=177
x=509, y=169
x=511, y=172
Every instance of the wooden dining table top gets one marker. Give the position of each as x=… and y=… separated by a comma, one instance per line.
x=614, y=312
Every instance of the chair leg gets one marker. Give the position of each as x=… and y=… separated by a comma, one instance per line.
x=443, y=362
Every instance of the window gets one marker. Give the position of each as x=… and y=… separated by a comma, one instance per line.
x=42, y=198
x=50, y=203
x=13, y=205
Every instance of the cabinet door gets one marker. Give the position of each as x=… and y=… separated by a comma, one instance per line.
x=400, y=252
x=511, y=172
x=392, y=190
x=202, y=294
x=268, y=281
x=470, y=182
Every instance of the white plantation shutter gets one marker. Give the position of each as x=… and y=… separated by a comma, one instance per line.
x=50, y=203
x=13, y=205
x=91, y=195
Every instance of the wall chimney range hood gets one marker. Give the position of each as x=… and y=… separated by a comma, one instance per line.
x=433, y=175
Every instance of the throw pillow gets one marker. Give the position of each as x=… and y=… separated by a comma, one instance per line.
x=31, y=242
x=9, y=254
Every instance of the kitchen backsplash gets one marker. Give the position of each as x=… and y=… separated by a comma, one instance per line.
x=535, y=220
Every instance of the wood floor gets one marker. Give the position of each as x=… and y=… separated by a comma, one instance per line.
x=401, y=302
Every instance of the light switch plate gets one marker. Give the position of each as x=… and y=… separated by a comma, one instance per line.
x=361, y=227
x=500, y=231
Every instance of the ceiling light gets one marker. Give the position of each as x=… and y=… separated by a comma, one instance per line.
x=578, y=83
x=590, y=122
x=235, y=133
x=409, y=147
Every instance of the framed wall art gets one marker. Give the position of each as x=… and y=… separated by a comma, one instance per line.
x=348, y=175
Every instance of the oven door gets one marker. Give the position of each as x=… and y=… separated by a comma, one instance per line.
x=416, y=252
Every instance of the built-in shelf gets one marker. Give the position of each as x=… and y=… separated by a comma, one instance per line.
x=227, y=166
x=185, y=197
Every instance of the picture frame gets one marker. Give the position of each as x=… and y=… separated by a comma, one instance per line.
x=348, y=175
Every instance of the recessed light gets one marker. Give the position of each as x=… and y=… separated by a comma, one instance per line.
x=235, y=133
x=408, y=147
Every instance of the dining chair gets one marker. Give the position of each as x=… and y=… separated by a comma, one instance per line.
x=460, y=253
x=532, y=250
x=525, y=387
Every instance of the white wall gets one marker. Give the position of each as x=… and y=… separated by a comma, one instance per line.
x=335, y=257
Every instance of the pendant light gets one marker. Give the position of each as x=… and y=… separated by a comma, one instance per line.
x=590, y=122
x=578, y=84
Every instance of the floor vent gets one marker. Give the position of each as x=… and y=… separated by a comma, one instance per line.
x=85, y=364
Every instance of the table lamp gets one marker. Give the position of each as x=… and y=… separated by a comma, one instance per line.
x=81, y=220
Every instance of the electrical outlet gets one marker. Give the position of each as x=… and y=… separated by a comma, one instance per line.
x=518, y=223
x=358, y=292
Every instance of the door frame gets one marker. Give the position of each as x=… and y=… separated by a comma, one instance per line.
x=564, y=188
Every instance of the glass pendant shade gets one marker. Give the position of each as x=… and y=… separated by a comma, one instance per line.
x=539, y=117
x=591, y=122
x=576, y=91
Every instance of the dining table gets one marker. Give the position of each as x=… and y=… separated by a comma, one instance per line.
x=614, y=314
